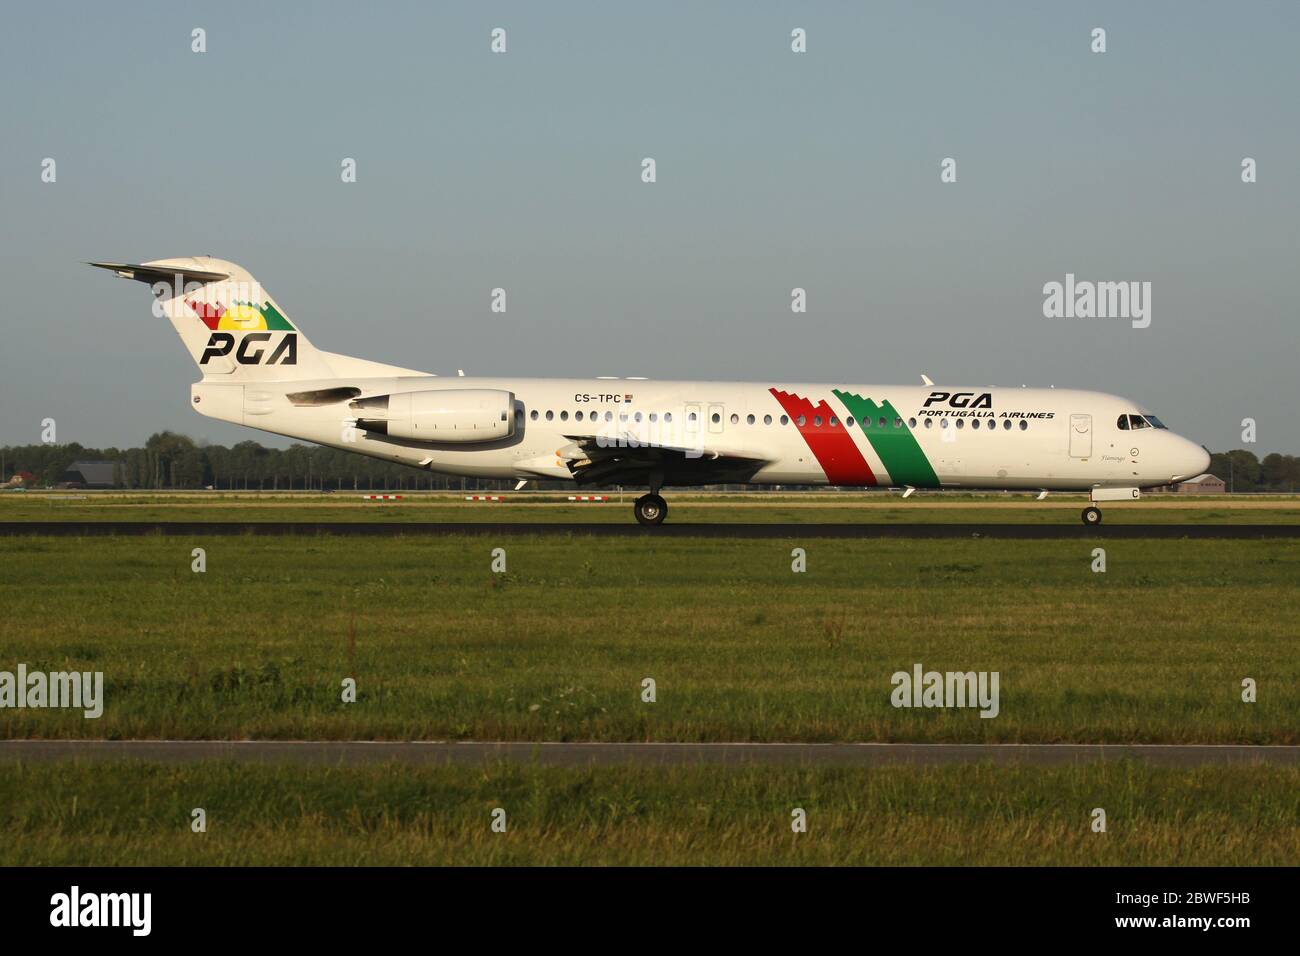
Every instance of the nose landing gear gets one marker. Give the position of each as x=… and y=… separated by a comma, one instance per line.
x=650, y=510
x=1092, y=514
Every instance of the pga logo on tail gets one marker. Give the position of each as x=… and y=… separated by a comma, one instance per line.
x=254, y=315
x=220, y=343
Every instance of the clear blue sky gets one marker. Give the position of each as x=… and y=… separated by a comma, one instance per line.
x=775, y=170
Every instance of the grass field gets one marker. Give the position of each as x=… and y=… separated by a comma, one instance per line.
x=740, y=648
x=128, y=814
x=1153, y=650
x=685, y=508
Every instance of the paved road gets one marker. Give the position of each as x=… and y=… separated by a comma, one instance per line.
x=351, y=752
x=194, y=529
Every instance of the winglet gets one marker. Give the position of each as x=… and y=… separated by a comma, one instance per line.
x=925, y=379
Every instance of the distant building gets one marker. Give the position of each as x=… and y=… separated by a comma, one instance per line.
x=1206, y=484
x=90, y=474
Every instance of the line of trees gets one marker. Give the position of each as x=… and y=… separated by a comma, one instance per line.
x=171, y=460
x=1242, y=471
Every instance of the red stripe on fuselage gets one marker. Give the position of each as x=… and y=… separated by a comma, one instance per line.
x=833, y=448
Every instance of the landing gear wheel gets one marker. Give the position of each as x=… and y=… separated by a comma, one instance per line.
x=650, y=510
x=1092, y=515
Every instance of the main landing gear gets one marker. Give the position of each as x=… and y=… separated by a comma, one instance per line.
x=1092, y=515
x=650, y=509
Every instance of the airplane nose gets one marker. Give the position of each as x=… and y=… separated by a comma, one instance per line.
x=1193, y=460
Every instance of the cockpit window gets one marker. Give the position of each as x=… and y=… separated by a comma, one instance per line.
x=1127, y=422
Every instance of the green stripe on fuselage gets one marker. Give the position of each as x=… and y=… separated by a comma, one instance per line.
x=897, y=447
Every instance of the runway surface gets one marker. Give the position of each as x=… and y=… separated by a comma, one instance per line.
x=354, y=752
x=631, y=530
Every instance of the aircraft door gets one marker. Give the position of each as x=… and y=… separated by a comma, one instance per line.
x=1080, y=436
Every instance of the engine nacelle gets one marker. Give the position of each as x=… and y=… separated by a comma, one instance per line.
x=440, y=415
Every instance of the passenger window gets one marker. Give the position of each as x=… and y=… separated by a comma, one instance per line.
x=834, y=422
x=1023, y=424
x=883, y=421
x=943, y=423
x=637, y=416
x=735, y=419
x=802, y=420
x=911, y=423
x=785, y=420
x=817, y=421
x=654, y=417
x=549, y=415
x=668, y=416
x=533, y=414
x=898, y=423
x=961, y=423
x=848, y=422
x=929, y=423
x=564, y=416
x=577, y=416
x=767, y=419
x=716, y=418
x=609, y=416
x=1006, y=424
x=690, y=417
x=749, y=419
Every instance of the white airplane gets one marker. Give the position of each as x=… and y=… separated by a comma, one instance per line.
x=260, y=370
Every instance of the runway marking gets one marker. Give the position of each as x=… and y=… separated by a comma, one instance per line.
x=582, y=754
x=82, y=529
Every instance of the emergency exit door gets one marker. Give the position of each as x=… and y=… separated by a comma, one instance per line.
x=716, y=413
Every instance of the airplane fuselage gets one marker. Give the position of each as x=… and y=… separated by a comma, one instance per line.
x=974, y=437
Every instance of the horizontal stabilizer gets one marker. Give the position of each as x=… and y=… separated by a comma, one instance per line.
x=151, y=274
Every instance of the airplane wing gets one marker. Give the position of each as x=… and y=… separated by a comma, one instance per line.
x=627, y=460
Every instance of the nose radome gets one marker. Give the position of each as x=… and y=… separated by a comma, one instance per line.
x=1202, y=460
x=1193, y=461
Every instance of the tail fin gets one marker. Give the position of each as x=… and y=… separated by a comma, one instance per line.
x=232, y=328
